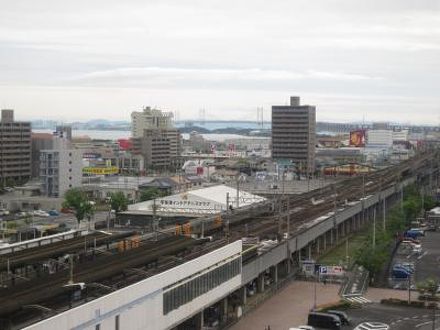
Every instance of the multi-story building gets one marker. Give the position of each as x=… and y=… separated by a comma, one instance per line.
x=155, y=137
x=294, y=134
x=40, y=141
x=156, y=148
x=150, y=118
x=380, y=137
x=400, y=135
x=15, y=149
x=60, y=168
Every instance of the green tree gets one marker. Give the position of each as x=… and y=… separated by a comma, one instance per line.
x=118, y=202
x=428, y=287
x=77, y=200
x=151, y=193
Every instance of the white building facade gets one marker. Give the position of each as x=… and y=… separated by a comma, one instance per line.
x=380, y=137
x=60, y=168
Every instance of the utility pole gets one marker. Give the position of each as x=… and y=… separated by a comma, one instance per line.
x=335, y=223
x=363, y=198
x=374, y=228
x=288, y=220
x=382, y=199
x=70, y=269
x=238, y=191
x=280, y=217
x=384, y=214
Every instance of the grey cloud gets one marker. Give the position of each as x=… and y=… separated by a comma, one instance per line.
x=239, y=50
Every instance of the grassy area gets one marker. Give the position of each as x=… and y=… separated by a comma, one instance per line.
x=337, y=255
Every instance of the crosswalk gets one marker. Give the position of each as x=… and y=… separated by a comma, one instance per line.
x=357, y=300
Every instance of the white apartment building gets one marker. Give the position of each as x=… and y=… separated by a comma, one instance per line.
x=60, y=168
x=400, y=135
x=380, y=137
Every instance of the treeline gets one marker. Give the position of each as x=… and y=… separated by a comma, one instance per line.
x=374, y=256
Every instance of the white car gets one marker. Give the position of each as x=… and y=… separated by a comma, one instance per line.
x=303, y=327
x=4, y=212
x=41, y=213
x=372, y=326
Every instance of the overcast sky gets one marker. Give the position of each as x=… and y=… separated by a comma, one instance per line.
x=353, y=59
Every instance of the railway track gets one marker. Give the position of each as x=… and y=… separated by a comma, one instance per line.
x=331, y=197
x=46, y=288
x=38, y=254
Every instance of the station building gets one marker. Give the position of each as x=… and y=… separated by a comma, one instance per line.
x=162, y=301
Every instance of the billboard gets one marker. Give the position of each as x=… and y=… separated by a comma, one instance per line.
x=331, y=270
x=357, y=138
x=101, y=170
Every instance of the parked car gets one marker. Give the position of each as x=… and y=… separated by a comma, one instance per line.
x=345, y=320
x=53, y=213
x=324, y=320
x=400, y=273
x=410, y=240
x=4, y=212
x=405, y=268
x=420, y=230
x=414, y=234
x=41, y=213
x=372, y=326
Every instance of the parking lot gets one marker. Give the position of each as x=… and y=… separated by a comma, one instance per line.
x=426, y=263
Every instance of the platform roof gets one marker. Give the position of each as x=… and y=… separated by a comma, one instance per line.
x=202, y=201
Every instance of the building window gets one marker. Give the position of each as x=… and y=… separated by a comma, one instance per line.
x=98, y=327
x=70, y=178
x=185, y=292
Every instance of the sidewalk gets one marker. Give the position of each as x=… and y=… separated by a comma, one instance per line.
x=289, y=307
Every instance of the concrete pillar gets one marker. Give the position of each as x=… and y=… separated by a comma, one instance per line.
x=331, y=237
x=199, y=321
x=288, y=266
x=325, y=241
x=260, y=283
x=243, y=295
x=225, y=310
x=310, y=251
x=318, y=245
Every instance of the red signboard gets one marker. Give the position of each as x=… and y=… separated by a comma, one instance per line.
x=125, y=144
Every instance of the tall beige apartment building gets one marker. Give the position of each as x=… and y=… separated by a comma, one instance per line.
x=150, y=118
x=294, y=134
x=155, y=137
x=15, y=149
